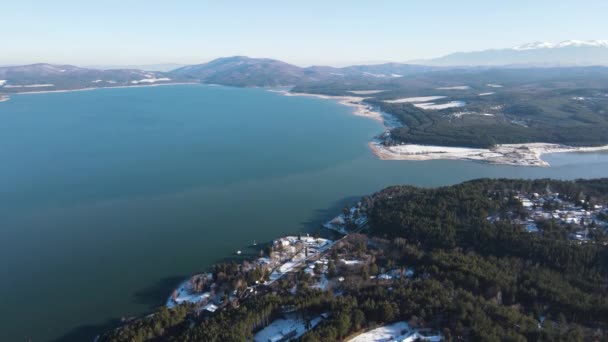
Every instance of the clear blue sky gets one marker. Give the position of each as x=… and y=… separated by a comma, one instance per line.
x=302, y=32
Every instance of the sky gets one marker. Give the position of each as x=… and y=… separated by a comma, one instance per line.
x=310, y=32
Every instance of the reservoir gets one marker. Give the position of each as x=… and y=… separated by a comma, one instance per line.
x=109, y=198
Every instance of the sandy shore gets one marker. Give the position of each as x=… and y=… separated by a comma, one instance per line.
x=529, y=154
x=360, y=108
x=506, y=154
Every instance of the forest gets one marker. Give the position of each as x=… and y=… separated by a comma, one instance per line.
x=499, y=106
x=475, y=279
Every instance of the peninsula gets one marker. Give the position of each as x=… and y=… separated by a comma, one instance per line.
x=523, y=262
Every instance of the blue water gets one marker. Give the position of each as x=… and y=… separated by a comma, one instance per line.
x=109, y=197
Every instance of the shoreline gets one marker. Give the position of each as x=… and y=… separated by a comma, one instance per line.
x=356, y=102
x=525, y=154
x=528, y=154
x=96, y=88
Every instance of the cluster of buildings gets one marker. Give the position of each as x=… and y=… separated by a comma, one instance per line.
x=289, y=254
x=293, y=252
x=581, y=216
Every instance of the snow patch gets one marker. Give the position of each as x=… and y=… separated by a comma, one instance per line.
x=284, y=330
x=415, y=99
x=433, y=106
x=365, y=92
x=151, y=80
x=464, y=87
x=30, y=86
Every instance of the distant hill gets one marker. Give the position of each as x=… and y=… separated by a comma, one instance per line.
x=39, y=77
x=263, y=72
x=245, y=71
x=566, y=53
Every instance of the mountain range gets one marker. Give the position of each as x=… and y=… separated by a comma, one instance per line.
x=263, y=72
x=565, y=53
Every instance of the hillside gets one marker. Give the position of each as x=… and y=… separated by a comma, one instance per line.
x=263, y=72
x=47, y=77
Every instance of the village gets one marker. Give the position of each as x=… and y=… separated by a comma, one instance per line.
x=581, y=218
x=294, y=263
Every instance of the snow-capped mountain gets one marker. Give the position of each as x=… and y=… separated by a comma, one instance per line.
x=565, y=53
x=565, y=43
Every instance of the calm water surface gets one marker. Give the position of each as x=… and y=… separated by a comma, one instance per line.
x=108, y=198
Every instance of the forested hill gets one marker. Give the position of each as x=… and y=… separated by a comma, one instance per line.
x=477, y=271
x=472, y=237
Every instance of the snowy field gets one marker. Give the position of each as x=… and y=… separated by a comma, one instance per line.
x=30, y=86
x=151, y=80
x=463, y=87
x=283, y=327
x=386, y=333
x=365, y=92
x=396, y=332
x=439, y=106
x=416, y=99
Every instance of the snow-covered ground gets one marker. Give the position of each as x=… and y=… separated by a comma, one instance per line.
x=415, y=99
x=29, y=86
x=281, y=328
x=463, y=87
x=366, y=92
x=151, y=80
x=386, y=333
x=460, y=114
x=508, y=154
x=439, y=106
x=185, y=294
x=396, y=332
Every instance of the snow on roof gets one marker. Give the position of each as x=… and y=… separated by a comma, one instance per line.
x=351, y=262
x=210, y=307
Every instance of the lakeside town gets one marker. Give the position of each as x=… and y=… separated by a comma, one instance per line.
x=314, y=262
x=291, y=262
